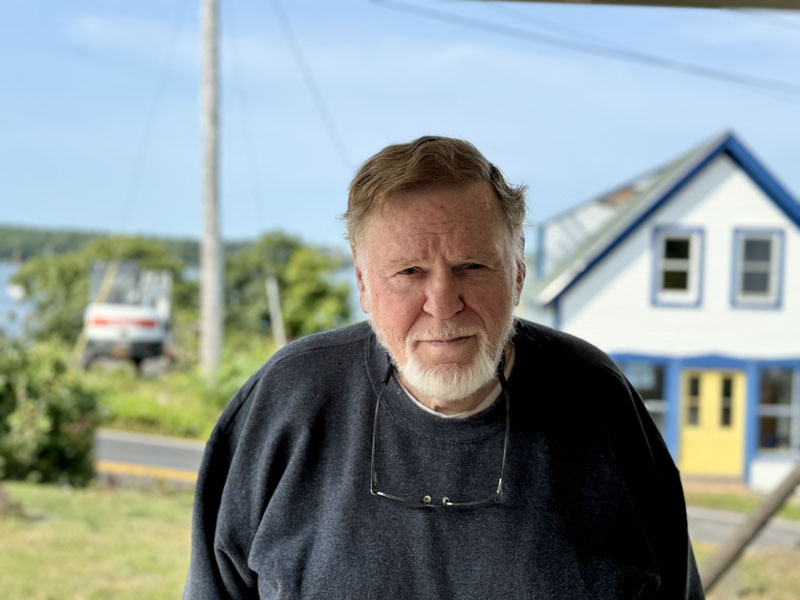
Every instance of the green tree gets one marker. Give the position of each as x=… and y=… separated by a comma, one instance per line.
x=312, y=300
x=246, y=272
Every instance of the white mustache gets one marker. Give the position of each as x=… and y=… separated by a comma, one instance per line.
x=443, y=334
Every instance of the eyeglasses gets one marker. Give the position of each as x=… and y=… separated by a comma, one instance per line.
x=426, y=501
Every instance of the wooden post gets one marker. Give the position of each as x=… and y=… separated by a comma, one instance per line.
x=715, y=566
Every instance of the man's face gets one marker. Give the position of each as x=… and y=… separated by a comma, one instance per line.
x=437, y=276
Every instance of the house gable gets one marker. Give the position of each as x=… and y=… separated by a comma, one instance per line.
x=614, y=305
x=592, y=251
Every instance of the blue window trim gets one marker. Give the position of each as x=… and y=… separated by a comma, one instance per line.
x=659, y=232
x=673, y=368
x=740, y=155
x=738, y=234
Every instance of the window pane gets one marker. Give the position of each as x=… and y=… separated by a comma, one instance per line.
x=776, y=386
x=775, y=432
x=727, y=387
x=757, y=250
x=675, y=280
x=676, y=248
x=647, y=378
x=693, y=408
x=755, y=283
x=694, y=386
x=726, y=414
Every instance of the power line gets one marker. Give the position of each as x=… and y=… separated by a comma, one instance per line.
x=546, y=23
x=316, y=94
x=759, y=83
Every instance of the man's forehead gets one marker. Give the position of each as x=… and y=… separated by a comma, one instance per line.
x=430, y=192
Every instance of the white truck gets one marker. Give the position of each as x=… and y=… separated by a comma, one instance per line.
x=128, y=315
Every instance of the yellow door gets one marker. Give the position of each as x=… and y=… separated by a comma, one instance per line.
x=712, y=423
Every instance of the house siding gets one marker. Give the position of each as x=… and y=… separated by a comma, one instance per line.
x=611, y=306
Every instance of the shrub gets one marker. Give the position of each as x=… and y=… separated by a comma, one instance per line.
x=47, y=417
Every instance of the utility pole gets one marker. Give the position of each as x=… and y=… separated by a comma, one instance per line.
x=211, y=299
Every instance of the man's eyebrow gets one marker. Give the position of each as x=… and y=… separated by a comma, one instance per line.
x=402, y=261
x=479, y=257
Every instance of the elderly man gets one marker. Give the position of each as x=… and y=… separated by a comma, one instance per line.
x=444, y=450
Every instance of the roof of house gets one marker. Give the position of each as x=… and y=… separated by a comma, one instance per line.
x=629, y=205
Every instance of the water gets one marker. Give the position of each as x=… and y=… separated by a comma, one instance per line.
x=13, y=313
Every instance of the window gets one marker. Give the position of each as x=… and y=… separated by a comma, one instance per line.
x=779, y=410
x=757, y=268
x=726, y=406
x=693, y=405
x=678, y=257
x=648, y=379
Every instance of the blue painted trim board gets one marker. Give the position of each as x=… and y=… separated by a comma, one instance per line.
x=673, y=367
x=738, y=235
x=672, y=394
x=751, y=425
x=742, y=157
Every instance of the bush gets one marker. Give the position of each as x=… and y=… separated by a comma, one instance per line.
x=47, y=417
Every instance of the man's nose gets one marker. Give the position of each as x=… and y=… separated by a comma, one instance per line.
x=443, y=296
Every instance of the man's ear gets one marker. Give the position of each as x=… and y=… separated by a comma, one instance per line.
x=521, y=271
x=363, y=295
x=520, y=280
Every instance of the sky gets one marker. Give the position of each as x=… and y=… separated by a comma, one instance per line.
x=100, y=106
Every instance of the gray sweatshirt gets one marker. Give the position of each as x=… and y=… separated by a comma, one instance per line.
x=592, y=505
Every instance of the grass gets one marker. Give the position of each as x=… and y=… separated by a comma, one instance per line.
x=179, y=403
x=95, y=543
x=739, y=502
x=761, y=574
x=127, y=543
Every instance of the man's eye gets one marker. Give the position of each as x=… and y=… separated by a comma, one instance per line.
x=408, y=271
x=474, y=266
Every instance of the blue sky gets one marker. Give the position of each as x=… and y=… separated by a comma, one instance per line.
x=100, y=123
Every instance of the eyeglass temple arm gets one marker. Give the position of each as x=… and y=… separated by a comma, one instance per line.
x=501, y=376
x=373, y=474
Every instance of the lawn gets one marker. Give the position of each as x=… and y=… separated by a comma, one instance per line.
x=762, y=574
x=126, y=543
x=179, y=403
x=739, y=501
x=95, y=543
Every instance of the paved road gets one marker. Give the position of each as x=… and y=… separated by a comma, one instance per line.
x=123, y=454
x=715, y=526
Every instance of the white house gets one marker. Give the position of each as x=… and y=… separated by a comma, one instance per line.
x=689, y=278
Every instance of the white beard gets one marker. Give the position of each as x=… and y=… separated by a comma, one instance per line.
x=450, y=382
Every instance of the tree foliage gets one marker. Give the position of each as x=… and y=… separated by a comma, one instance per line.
x=23, y=243
x=311, y=300
x=58, y=285
x=47, y=418
x=246, y=272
